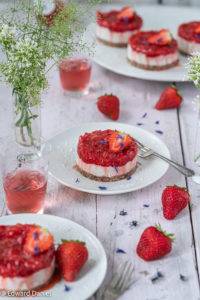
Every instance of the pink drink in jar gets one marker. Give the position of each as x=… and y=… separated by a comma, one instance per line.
x=25, y=191
x=75, y=74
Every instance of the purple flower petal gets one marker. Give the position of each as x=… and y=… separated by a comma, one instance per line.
x=183, y=277
x=133, y=223
x=67, y=288
x=118, y=250
x=103, y=142
x=123, y=213
x=103, y=188
x=159, y=131
x=116, y=169
x=144, y=116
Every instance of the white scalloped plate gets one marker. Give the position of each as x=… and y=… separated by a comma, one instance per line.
x=92, y=274
x=63, y=158
x=154, y=17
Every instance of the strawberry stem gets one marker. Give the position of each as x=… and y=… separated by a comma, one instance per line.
x=171, y=236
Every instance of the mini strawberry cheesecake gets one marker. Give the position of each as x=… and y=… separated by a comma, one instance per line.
x=116, y=26
x=107, y=155
x=189, y=37
x=27, y=257
x=153, y=50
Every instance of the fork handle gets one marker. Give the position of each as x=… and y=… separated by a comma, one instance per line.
x=185, y=171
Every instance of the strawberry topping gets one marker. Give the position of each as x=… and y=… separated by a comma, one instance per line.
x=118, y=141
x=139, y=42
x=162, y=38
x=38, y=240
x=119, y=20
x=197, y=29
x=190, y=31
x=14, y=259
x=127, y=13
x=94, y=148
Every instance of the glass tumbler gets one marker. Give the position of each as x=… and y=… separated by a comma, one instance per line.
x=24, y=177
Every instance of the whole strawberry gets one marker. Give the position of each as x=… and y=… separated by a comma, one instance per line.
x=174, y=200
x=71, y=257
x=170, y=98
x=154, y=243
x=109, y=106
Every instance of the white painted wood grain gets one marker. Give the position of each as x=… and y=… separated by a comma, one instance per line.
x=97, y=213
x=59, y=112
x=188, y=121
x=136, y=97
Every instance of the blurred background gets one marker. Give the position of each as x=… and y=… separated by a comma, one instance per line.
x=165, y=2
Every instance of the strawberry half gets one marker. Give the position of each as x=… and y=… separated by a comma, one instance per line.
x=169, y=98
x=109, y=106
x=154, y=243
x=38, y=240
x=162, y=38
x=174, y=200
x=71, y=257
x=118, y=141
x=127, y=12
x=197, y=29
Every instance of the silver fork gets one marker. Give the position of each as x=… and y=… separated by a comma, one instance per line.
x=146, y=152
x=121, y=282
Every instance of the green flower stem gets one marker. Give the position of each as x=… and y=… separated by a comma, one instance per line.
x=25, y=119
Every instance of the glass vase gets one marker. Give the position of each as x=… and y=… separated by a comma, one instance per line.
x=27, y=121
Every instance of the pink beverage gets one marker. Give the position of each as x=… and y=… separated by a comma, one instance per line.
x=75, y=74
x=25, y=191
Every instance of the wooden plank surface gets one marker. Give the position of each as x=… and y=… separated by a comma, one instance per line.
x=101, y=214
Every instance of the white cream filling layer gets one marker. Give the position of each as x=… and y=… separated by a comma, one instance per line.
x=110, y=172
x=29, y=282
x=157, y=61
x=112, y=36
x=188, y=47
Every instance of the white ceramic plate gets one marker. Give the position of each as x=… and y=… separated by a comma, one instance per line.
x=92, y=274
x=63, y=155
x=154, y=17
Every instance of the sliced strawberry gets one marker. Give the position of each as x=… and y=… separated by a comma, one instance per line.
x=170, y=98
x=163, y=37
x=118, y=141
x=197, y=29
x=71, y=257
x=174, y=200
x=127, y=12
x=38, y=240
x=109, y=105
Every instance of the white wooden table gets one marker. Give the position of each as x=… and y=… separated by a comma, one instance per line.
x=100, y=214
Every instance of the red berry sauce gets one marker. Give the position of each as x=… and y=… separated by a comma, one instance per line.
x=110, y=21
x=187, y=32
x=93, y=148
x=14, y=260
x=139, y=43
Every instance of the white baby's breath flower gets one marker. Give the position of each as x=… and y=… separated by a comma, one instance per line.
x=193, y=66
